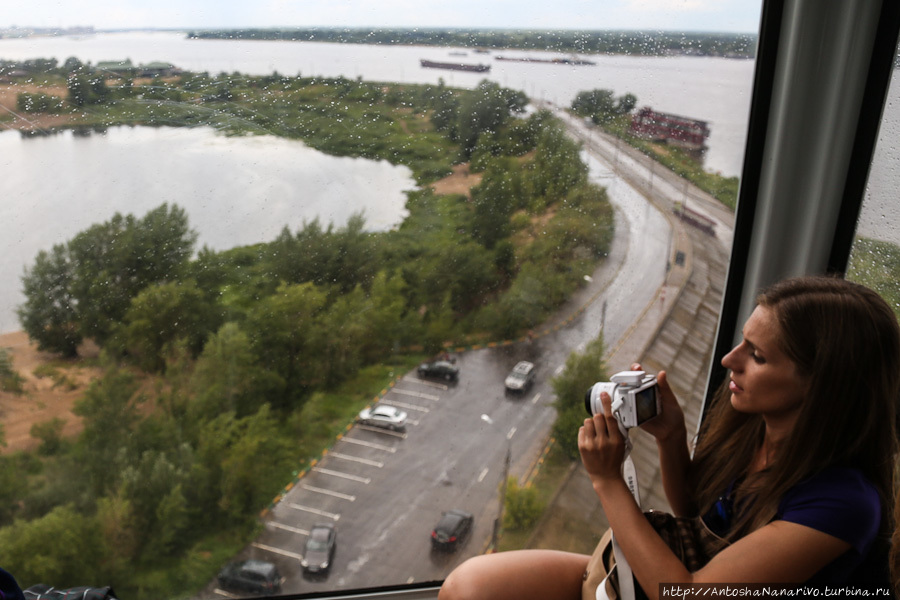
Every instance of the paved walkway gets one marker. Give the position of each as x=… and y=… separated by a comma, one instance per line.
x=676, y=335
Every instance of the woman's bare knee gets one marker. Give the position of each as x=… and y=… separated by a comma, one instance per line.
x=466, y=582
x=516, y=575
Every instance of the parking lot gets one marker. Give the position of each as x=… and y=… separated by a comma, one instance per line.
x=384, y=490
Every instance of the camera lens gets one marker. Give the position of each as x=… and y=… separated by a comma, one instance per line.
x=587, y=401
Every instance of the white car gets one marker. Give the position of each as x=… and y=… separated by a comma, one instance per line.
x=520, y=378
x=384, y=416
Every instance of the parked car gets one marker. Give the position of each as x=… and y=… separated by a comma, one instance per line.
x=452, y=530
x=254, y=576
x=439, y=368
x=521, y=377
x=383, y=415
x=320, y=546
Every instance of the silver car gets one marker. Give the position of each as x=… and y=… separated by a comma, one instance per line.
x=383, y=415
x=520, y=378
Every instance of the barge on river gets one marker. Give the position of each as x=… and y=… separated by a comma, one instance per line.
x=455, y=66
x=551, y=61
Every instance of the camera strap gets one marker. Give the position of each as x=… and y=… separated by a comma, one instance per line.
x=622, y=568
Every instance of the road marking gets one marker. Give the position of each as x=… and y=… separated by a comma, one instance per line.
x=406, y=406
x=342, y=475
x=287, y=528
x=226, y=594
x=315, y=511
x=277, y=551
x=416, y=394
x=329, y=493
x=483, y=475
x=439, y=386
x=365, y=461
x=383, y=431
x=536, y=398
x=511, y=433
x=369, y=444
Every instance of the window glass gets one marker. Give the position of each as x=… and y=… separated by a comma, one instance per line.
x=875, y=258
x=228, y=239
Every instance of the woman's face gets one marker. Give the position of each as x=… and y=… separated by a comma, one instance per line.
x=763, y=379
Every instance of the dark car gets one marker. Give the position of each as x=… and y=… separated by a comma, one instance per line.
x=319, y=553
x=255, y=576
x=452, y=530
x=439, y=368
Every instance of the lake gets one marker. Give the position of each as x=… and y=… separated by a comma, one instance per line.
x=235, y=190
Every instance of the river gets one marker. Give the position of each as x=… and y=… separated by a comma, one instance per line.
x=244, y=190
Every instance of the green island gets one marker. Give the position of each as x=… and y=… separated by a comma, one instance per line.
x=638, y=43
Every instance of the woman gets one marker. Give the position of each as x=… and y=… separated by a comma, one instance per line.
x=794, y=465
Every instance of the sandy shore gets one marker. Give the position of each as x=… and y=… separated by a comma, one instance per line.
x=8, y=96
x=44, y=398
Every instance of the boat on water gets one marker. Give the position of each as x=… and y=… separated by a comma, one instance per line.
x=552, y=61
x=455, y=66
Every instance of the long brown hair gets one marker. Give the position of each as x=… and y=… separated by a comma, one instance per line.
x=845, y=339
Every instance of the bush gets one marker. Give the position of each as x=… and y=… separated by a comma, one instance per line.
x=10, y=380
x=50, y=434
x=522, y=508
x=39, y=103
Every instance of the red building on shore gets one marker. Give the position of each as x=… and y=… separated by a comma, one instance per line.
x=674, y=130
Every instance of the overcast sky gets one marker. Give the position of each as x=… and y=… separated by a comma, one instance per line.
x=669, y=15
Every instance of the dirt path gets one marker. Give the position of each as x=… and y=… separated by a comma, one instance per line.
x=460, y=182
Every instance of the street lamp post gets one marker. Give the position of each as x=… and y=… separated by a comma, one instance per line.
x=498, y=522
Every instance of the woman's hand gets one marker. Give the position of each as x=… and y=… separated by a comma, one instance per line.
x=670, y=421
x=602, y=445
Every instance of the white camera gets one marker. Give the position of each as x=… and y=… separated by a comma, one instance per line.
x=634, y=394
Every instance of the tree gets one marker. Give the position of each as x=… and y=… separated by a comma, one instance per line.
x=288, y=339
x=50, y=312
x=227, y=376
x=494, y=200
x=79, y=89
x=625, y=104
x=253, y=460
x=113, y=261
x=582, y=370
x=557, y=167
x=14, y=480
x=57, y=549
x=162, y=314
x=601, y=106
x=445, y=106
x=153, y=487
x=72, y=64
x=485, y=110
x=110, y=415
x=593, y=102
x=99, y=93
